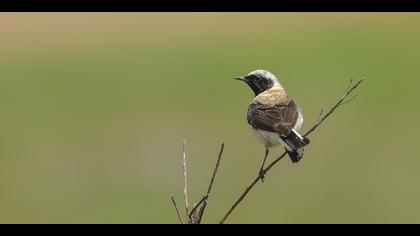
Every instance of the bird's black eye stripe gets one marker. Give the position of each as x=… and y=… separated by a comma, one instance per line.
x=256, y=77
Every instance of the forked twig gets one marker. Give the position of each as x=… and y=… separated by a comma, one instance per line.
x=193, y=216
x=320, y=114
x=338, y=104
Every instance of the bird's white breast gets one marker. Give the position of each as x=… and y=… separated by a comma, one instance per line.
x=268, y=139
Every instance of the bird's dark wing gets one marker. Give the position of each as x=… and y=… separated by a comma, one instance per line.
x=280, y=118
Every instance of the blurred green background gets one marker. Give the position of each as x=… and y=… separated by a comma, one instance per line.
x=94, y=107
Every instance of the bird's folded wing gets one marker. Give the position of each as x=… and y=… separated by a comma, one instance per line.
x=280, y=118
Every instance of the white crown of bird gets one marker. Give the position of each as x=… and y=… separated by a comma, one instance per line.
x=265, y=74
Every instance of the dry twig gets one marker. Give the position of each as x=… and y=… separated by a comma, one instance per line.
x=216, y=168
x=193, y=216
x=177, y=210
x=184, y=167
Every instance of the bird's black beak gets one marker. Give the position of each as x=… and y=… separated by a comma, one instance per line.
x=242, y=79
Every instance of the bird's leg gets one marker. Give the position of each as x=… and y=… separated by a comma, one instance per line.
x=261, y=172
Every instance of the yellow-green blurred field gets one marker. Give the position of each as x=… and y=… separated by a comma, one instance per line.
x=94, y=107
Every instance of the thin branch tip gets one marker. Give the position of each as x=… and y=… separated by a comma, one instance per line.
x=213, y=177
x=194, y=217
x=176, y=209
x=320, y=114
x=348, y=100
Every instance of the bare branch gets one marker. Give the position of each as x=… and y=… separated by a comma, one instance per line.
x=194, y=209
x=340, y=102
x=184, y=166
x=350, y=83
x=320, y=114
x=193, y=216
x=348, y=100
x=216, y=168
x=177, y=210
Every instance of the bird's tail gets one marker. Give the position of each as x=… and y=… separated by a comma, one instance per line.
x=294, y=145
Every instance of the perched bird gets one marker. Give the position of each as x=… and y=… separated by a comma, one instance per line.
x=273, y=116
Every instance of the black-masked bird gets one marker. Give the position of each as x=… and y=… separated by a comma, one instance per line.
x=274, y=117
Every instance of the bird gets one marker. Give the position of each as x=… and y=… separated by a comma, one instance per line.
x=273, y=116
